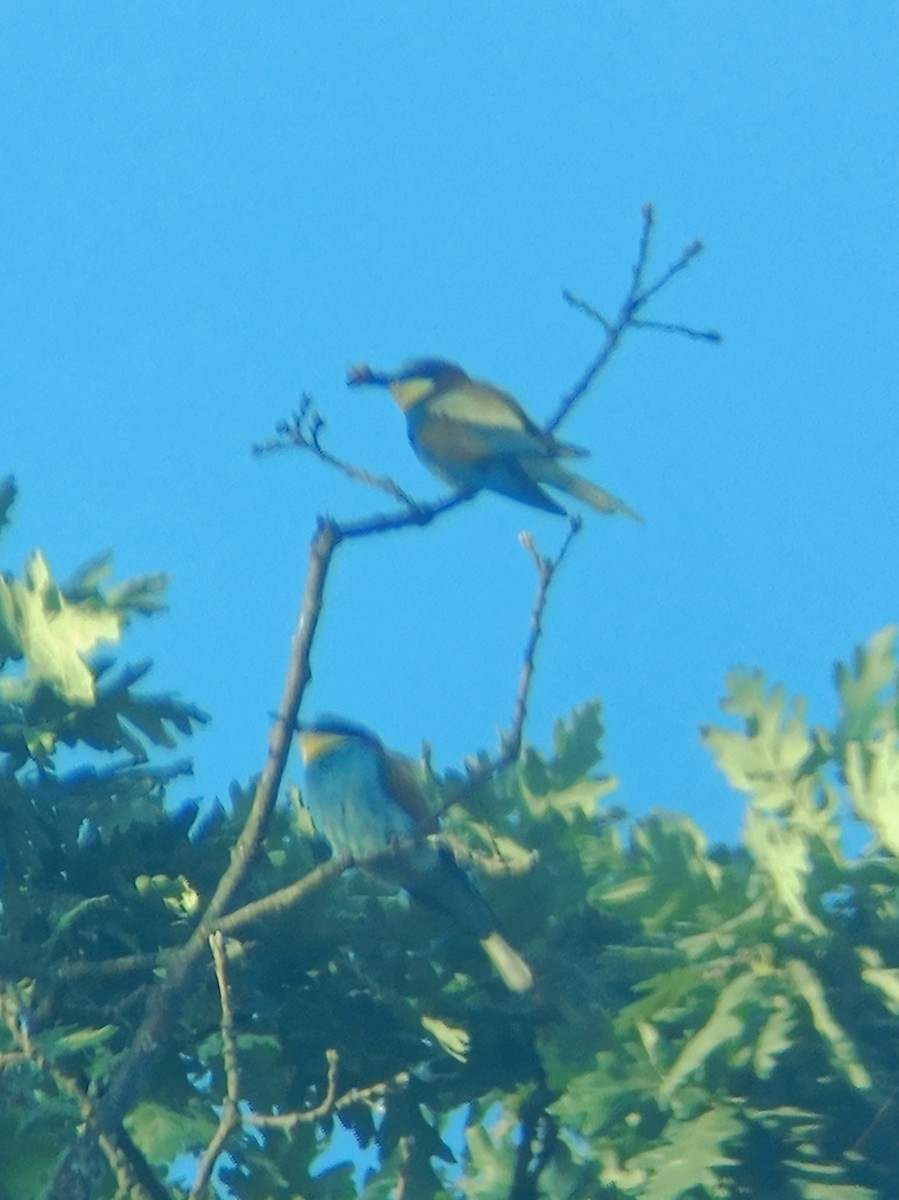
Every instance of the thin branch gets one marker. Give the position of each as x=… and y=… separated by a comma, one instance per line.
x=304, y=431
x=229, y=1118
x=510, y=742
x=510, y=745
x=404, y=1175
x=705, y=335
x=373, y=1094
x=883, y=1110
x=284, y=898
x=419, y=514
x=108, y=967
x=694, y=249
x=289, y=1120
x=332, y=1103
x=587, y=309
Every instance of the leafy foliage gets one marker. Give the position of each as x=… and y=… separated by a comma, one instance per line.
x=707, y=1021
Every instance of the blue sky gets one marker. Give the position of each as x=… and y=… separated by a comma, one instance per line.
x=210, y=208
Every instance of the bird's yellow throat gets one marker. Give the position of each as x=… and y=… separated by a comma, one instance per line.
x=314, y=744
x=409, y=392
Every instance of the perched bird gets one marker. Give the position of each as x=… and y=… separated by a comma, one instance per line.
x=364, y=800
x=473, y=435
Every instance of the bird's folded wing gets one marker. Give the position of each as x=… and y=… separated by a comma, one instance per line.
x=455, y=440
x=482, y=405
x=400, y=783
x=476, y=420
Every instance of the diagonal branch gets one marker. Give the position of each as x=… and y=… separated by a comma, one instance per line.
x=77, y=1176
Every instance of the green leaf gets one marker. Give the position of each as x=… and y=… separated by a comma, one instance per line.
x=842, y=1051
x=56, y=636
x=690, y=1156
x=723, y=1025
x=765, y=758
x=872, y=773
x=163, y=1133
x=83, y=1039
x=775, y=1038
x=576, y=741
x=782, y=853
x=885, y=979
x=861, y=685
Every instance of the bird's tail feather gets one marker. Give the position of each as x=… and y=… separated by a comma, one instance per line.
x=583, y=489
x=511, y=967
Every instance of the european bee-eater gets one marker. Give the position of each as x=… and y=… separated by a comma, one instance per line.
x=473, y=435
x=365, y=800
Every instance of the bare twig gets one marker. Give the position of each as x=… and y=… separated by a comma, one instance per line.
x=638, y=296
x=289, y=1120
x=888, y=1105
x=510, y=745
x=332, y=1103
x=704, y=335
x=587, y=309
x=304, y=431
x=229, y=1118
x=510, y=741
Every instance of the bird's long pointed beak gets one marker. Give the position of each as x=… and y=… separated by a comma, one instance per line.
x=361, y=374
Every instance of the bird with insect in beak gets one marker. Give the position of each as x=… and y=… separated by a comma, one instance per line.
x=366, y=801
x=473, y=435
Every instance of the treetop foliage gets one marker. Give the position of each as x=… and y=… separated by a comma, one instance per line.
x=708, y=1020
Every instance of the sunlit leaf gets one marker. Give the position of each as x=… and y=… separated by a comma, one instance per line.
x=872, y=773
x=690, y=1156
x=725, y=1024
x=842, y=1052
x=861, y=685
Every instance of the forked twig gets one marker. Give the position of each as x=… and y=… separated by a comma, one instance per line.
x=638, y=296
